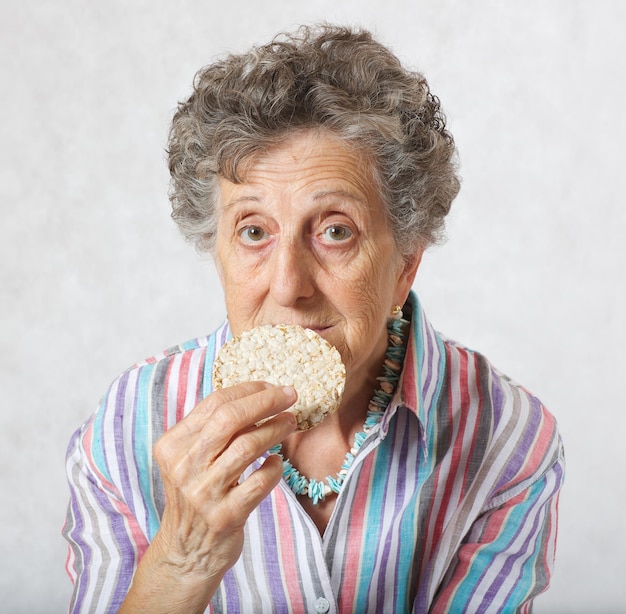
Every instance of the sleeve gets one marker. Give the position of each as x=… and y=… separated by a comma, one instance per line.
x=507, y=557
x=104, y=536
x=116, y=492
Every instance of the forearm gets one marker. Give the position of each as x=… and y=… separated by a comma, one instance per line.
x=163, y=586
x=202, y=527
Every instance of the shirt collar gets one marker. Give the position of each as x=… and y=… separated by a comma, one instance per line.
x=422, y=374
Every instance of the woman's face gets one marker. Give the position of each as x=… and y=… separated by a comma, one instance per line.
x=305, y=240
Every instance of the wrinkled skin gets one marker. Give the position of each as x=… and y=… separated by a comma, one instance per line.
x=303, y=240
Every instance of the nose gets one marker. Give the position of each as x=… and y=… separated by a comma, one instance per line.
x=291, y=273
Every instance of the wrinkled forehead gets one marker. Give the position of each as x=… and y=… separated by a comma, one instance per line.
x=238, y=159
x=314, y=165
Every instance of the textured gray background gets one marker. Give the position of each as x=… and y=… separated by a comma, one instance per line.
x=94, y=275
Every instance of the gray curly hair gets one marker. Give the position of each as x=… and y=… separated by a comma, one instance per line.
x=335, y=78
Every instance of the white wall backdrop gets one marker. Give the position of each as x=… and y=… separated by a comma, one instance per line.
x=94, y=275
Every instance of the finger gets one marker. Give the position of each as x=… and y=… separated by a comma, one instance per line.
x=243, y=414
x=198, y=416
x=247, y=496
x=230, y=394
x=183, y=458
x=182, y=433
x=247, y=447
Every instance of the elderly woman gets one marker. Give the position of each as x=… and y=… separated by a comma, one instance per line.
x=315, y=170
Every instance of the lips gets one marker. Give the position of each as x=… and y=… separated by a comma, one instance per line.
x=316, y=327
x=321, y=329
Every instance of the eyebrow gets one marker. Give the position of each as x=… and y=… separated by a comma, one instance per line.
x=350, y=195
x=241, y=199
x=317, y=196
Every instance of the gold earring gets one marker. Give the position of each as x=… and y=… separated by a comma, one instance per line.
x=396, y=312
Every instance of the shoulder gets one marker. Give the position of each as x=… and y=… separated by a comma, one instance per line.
x=471, y=377
x=183, y=351
x=148, y=398
x=184, y=368
x=508, y=428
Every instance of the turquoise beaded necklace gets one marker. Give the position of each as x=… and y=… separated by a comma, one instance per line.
x=318, y=490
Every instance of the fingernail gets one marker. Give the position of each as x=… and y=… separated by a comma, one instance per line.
x=290, y=393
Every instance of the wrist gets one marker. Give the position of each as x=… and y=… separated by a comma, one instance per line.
x=165, y=582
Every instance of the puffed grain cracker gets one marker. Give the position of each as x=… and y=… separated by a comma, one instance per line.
x=286, y=355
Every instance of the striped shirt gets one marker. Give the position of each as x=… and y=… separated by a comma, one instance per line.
x=449, y=506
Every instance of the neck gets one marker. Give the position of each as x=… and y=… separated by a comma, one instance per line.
x=361, y=383
x=320, y=454
x=335, y=434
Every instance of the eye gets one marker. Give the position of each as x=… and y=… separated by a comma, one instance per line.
x=252, y=234
x=337, y=233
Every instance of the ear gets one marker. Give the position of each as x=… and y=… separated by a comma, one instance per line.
x=407, y=277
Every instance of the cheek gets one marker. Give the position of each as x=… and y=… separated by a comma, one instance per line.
x=234, y=270
x=369, y=305
x=366, y=294
x=364, y=317
x=241, y=289
x=369, y=280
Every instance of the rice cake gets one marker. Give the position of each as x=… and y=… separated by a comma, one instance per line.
x=286, y=355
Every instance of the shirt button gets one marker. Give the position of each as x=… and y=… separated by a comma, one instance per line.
x=322, y=605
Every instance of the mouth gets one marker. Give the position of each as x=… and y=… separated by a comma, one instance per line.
x=320, y=329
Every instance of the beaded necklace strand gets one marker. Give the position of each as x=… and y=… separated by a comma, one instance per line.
x=318, y=490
